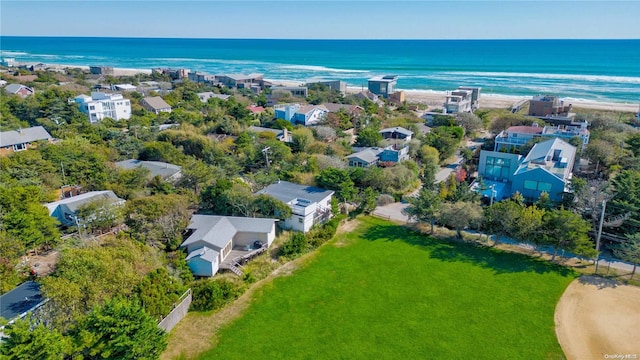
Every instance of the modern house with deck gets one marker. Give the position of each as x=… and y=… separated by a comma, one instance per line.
x=310, y=205
x=224, y=242
x=516, y=136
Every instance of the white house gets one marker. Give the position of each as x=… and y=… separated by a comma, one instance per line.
x=310, y=205
x=101, y=105
x=66, y=210
x=216, y=241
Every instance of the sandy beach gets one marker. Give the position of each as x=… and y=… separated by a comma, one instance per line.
x=431, y=98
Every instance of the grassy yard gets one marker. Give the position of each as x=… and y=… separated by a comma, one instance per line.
x=382, y=292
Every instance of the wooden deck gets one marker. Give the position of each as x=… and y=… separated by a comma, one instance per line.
x=239, y=256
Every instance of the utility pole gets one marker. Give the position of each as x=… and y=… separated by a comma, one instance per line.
x=265, y=151
x=604, y=206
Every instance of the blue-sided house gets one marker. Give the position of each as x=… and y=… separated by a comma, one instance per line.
x=383, y=85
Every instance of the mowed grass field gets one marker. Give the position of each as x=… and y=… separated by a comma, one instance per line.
x=384, y=292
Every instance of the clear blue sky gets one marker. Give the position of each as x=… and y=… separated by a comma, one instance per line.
x=324, y=19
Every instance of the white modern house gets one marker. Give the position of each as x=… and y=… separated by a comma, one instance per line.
x=310, y=205
x=221, y=242
x=102, y=105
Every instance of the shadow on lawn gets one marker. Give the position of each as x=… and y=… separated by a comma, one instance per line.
x=454, y=251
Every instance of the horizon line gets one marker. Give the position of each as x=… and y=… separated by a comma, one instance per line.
x=313, y=39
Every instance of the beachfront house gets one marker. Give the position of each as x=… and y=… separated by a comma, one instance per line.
x=458, y=101
x=515, y=137
x=310, y=205
x=155, y=104
x=22, y=139
x=100, y=105
x=546, y=105
x=101, y=70
x=335, y=85
x=546, y=168
x=222, y=242
x=18, y=89
x=254, y=82
x=167, y=172
x=295, y=91
x=382, y=85
x=66, y=210
x=300, y=114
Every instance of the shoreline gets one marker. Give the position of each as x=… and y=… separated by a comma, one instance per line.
x=432, y=98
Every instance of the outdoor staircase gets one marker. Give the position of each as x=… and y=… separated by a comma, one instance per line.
x=234, y=269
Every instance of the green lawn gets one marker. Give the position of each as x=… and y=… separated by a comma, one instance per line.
x=393, y=294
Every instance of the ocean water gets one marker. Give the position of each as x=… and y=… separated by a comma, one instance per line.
x=603, y=70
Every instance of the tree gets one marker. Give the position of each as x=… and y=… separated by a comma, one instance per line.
x=425, y=207
x=27, y=341
x=469, y=122
x=338, y=180
x=566, y=230
x=501, y=219
x=120, y=329
x=369, y=136
x=301, y=139
x=158, y=292
x=367, y=201
x=601, y=152
x=630, y=251
x=100, y=214
x=460, y=215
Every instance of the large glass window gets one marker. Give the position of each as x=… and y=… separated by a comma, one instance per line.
x=537, y=185
x=497, y=167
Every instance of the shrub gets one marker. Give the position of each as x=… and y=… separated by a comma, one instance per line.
x=297, y=244
x=385, y=199
x=214, y=294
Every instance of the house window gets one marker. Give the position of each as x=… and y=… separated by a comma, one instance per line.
x=19, y=147
x=300, y=220
x=537, y=185
x=497, y=167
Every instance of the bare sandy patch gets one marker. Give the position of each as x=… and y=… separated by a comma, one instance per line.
x=598, y=318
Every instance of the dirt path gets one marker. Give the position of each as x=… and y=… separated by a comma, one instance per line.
x=598, y=319
x=195, y=333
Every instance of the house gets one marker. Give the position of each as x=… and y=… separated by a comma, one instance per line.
x=155, y=104
x=546, y=168
x=199, y=77
x=173, y=74
x=3, y=83
x=255, y=110
x=123, y=87
x=475, y=96
x=371, y=156
x=365, y=158
x=515, y=137
x=18, y=89
x=217, y=242
x=22, y=139
x=296, y=91
x=351, y=110
x=66, y=210
x=102, y=105
x=546, y=105
x=168, y=172
x=297, y=114
x=19, y=302
x=458, y=101
x=335, y=85
x=101, y=70
x=383, y=85
x=368, y=95
x=281, y=134
x=241, y=81
x=397, y=134
x=205, y=96
x=310, y=205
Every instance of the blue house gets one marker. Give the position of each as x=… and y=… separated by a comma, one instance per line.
x=297, y=114
x=546, y=168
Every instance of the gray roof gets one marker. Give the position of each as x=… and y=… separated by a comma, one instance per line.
x=397, y=129
x=238, y=77
x=20, y=300
x=219, y=230
x=541, y=157
x=14, y=88
x=13, y=137
x=156, y=168
x=203, y=253
x=156, y=102
x=210, y=94
x=286, y=192
x=369, y=155
x=75, y=202
x=337, y=107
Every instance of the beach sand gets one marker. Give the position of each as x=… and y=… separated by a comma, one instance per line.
x=431, y=98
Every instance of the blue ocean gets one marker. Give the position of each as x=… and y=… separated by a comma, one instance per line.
x=602, y=70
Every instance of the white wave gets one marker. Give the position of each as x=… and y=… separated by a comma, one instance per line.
x=216, y=61
x=320, y=68
x=594, y=78
x=12, y=53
